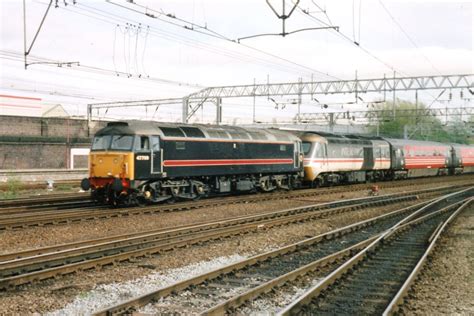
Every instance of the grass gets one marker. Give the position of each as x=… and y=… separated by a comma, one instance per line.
x=11, y=192
x=64, y=187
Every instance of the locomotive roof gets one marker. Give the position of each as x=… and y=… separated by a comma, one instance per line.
x=195, y=131
x=339, y=138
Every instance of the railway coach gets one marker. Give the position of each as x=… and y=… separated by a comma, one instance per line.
x=136, y=162
x=334, y=159
x=462, y=159
x=413, y=158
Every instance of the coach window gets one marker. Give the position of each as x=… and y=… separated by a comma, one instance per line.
x=155, y=143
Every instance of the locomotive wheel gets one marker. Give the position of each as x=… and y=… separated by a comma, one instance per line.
x=140, y=201
x=195, y=193
x=266, y=185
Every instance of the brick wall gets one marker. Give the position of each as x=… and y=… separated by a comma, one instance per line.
x=47, y=127
x=32, y=156
x=36, y=143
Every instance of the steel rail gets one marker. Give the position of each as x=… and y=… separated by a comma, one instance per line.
x=9, y=205
x=327, y=285
x=276, y=256
x=43, y=199
x=50, y=263
x=47, y=218
x=15, y=212
x=352, y=203
x=397, y=301
x=240, y=299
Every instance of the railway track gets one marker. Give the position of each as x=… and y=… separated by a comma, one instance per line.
x=11, y=218
x=222, y=290
x=376, y=279
x=36, y=178
x=42, y=200
x=37, y=264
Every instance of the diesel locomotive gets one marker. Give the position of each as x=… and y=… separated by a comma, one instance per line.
x=140, y=162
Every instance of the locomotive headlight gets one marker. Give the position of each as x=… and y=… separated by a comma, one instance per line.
x=115, y=160
x=100, y=160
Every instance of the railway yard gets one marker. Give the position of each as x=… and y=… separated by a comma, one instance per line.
x=304, y=157
x=294, y=252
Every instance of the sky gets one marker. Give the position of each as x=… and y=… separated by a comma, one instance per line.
x=135, y=51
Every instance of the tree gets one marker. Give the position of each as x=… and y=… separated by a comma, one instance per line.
x=408, y=120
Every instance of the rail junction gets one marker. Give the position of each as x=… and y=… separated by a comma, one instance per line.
x=221, y=291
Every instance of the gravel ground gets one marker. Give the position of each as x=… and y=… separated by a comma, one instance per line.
x=54, y=294
x=446, y=285
x=270, y=304
x=107, y=294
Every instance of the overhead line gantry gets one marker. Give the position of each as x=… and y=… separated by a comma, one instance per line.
x=192, y=102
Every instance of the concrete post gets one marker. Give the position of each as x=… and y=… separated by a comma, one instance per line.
x=218, y=111
x=185, y=109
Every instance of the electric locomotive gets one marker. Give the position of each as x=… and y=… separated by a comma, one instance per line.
x=137, y=162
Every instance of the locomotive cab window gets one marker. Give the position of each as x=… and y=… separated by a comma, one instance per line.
x=144, y=143
x=282, y=147
x=121, y=142
x=319, y=150
x=101, y=142
x=306, y=147
x=155, y=143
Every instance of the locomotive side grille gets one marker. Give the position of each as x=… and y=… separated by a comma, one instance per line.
x=257, y=135
x=172, y=131
x=192, y=131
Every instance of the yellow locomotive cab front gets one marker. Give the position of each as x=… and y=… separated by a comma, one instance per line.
x=107, y=164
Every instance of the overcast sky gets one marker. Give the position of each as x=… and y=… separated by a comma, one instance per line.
x=164, y=60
